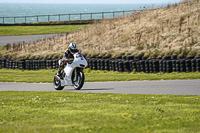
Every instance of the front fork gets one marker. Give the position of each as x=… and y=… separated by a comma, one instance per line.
x=76, y=74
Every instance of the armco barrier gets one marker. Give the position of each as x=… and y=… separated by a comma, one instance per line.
x=165, y=64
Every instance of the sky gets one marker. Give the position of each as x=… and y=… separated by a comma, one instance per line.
x=92, y=1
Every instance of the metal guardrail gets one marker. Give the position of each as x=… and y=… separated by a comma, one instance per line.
x=63, y=17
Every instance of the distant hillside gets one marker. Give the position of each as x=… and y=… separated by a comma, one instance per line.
x=174, y=29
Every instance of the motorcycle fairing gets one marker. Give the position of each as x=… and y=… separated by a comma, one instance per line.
x=69, y=69
x=68, y=74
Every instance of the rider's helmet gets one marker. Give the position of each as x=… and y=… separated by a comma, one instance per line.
x=73, y=48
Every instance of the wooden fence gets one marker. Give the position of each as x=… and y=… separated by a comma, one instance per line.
x=64, y=17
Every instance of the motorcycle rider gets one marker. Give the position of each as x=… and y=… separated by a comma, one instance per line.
x=67, y=54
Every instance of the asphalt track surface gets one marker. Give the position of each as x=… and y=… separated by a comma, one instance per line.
x=24, y=38
x=163, y=87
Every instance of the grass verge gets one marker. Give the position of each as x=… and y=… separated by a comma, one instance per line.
x=32, y=30
x=46, y=76
x=1, y=48
x=103, y=113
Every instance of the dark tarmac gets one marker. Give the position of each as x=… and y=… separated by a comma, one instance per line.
x=24, y=38
x=163, y=87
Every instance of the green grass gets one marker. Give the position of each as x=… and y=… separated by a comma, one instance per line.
x=101, y=113
x=1, y=48
x=31, y=30
x=46, y=76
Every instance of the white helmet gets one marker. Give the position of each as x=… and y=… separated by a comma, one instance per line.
x=73, y=48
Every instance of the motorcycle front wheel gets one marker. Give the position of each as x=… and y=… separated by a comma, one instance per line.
x=78, y=84
x=57, y=83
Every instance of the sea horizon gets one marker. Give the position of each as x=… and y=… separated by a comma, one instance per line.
x=91, y=3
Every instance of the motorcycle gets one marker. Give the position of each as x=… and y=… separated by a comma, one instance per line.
x=72, y=74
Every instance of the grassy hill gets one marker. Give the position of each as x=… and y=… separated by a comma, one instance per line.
x=164, y=31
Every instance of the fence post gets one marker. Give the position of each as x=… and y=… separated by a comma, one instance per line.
x=102, y=15
x=59, y=17
x=48, y=18
x=69, y=17
x=3, y=20
x=113, y=14
x=14, y=20
x=80, y=16
x=123, y=14
x=37, y=18
x=25, y=19
x=91, y=15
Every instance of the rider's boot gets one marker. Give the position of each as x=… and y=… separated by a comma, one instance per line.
x=58, y=73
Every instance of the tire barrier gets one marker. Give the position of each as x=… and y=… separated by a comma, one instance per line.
x=166, y=64
x=147, y=70
x=177, y=66
x=198, y=65
x=182, y=65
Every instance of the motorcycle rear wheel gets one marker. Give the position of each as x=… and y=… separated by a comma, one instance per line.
x=57, y=83
x=79, y=83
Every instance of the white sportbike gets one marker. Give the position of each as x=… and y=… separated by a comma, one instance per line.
x=72, y=74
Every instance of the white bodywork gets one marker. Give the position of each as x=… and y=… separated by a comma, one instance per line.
x=78, y=61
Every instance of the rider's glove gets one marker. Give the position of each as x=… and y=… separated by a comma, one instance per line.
x=64, y=59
